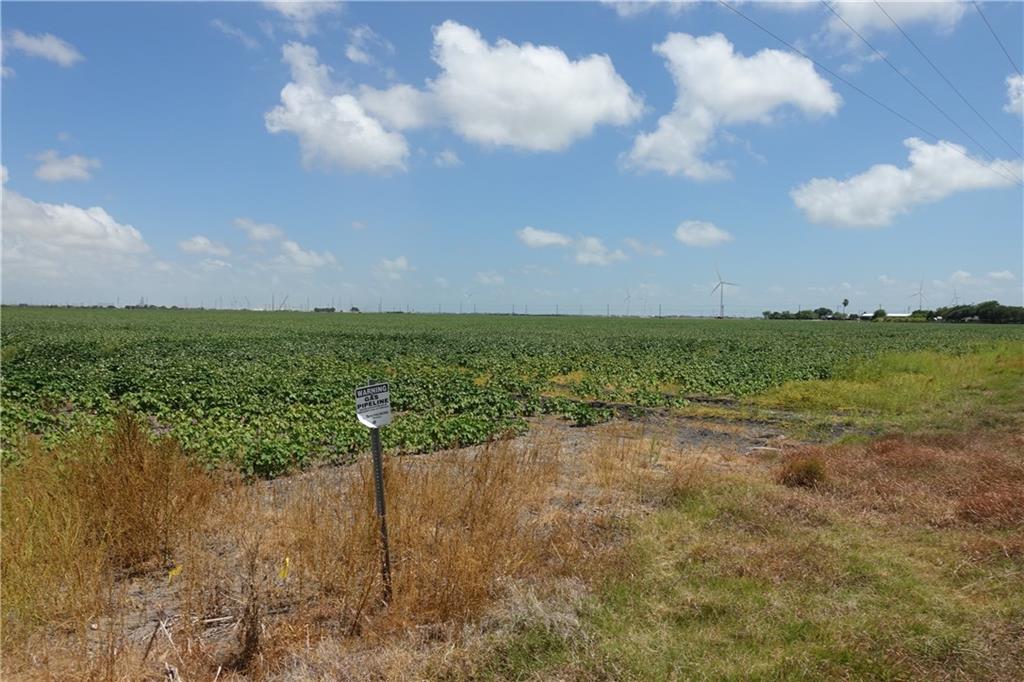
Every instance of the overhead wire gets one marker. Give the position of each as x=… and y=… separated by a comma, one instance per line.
x=906, y=78
x=948, y=82
x=996, y=36
x=868, y=95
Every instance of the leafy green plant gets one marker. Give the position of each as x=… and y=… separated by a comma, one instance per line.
x=275, y=392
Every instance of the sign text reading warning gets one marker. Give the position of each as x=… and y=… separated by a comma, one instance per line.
x=373, y=405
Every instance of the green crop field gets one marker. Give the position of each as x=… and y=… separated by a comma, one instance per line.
x=269, y=391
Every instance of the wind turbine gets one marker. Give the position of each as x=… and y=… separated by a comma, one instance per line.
x=920, y=295
x=627, y=302
x=720, y=287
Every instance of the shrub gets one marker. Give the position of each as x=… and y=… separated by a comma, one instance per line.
x=804, y=470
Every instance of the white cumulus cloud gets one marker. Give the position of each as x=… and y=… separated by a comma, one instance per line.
x=332, y=126
x=716, y=87
x=394, y=268
x=633, y=8
x=532, y=97
x=447, y=159
x=357, y=55
x=302, y=15
x=867, y=18
x=53, y=241
x=587, y=250
x=1014, y=95
x=293, y=255
x=643, y=249
x=45, y=46
x=592, y=251
x=363, y=42
x=55, y=168
x=201, y=244
x=701, y=233
x=961, y=277
x=68, y=226
x=259, y=232
x=535, y=238
x=401, y=106
x=875, y=197
x=1002, y=276
x=525, y=96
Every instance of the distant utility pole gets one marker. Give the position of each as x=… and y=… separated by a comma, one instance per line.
x=607, y=309
x=380, y=305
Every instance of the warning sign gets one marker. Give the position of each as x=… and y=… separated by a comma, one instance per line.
x=373, y=405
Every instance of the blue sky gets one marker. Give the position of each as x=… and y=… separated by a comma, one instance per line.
x=491, y=154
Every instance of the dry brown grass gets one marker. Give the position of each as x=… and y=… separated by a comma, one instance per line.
x=459, y=523
x=280, y=579
x=156, y=564
x=940, y=481
x=76, y=520
x=802, y=469
x=141, y=494
x=630, y=466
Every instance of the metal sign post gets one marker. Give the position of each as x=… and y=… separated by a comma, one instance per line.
x=373, y=409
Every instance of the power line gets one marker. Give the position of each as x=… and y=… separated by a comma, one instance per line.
x=948, y=82
x=996, y=36
x=912, y=83
x=866, y=94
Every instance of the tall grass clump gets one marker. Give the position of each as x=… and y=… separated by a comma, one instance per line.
x=77, y=517
x=802, y=470
x=460, y=524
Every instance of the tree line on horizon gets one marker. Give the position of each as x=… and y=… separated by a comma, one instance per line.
x=990, y=312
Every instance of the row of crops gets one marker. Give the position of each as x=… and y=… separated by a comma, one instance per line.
x=269, y=391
